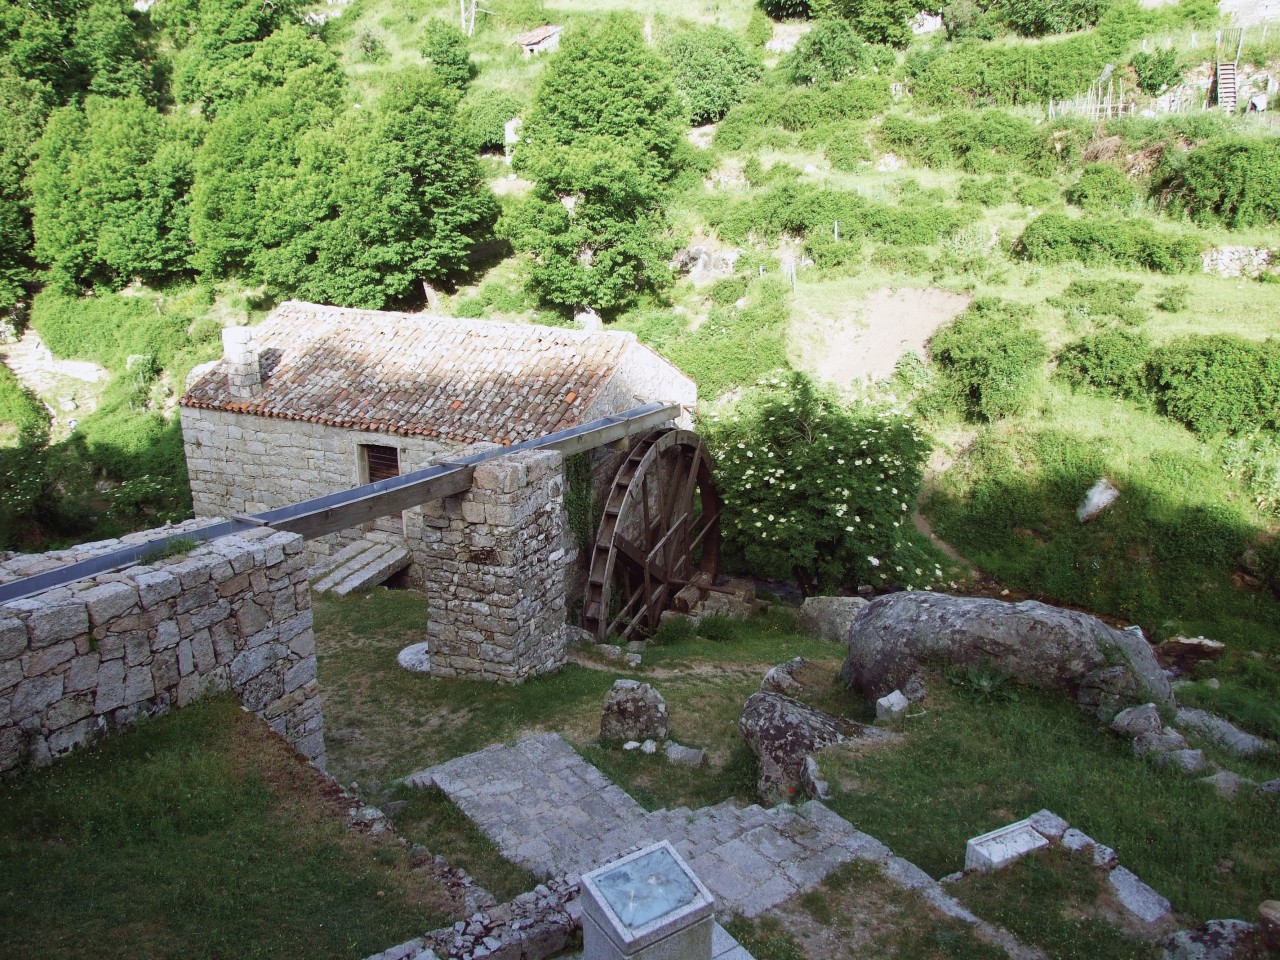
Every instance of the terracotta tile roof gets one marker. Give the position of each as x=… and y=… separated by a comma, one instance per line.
x=536, y=35
x=419, y=375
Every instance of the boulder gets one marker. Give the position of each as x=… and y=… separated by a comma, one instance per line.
x=782, y=732
x=633, y=711
x=892, y=708
x=1215, y=940
x=782, y=678
x=1158, y=742
x=1190, y=762
x=683, y=756
x=894, y=637
x=828, y=618
x=1223, y=733
x=1137, y=720
x=1100, y=496
x=1226, y=783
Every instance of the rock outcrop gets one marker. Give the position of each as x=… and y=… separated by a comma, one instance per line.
x=898, y=636
x=828, y=618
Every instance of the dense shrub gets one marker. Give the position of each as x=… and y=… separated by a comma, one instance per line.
x=712, y=68
x=1102, y=187
x=445, y=50
x=989, y=141
x=817, y=490
x=830, y=51
x=1234, y=180
x=847, y=150
x=1035, y=18
x=1036, y=193
x=22, y=410
x=107, y=328
x=1219, y=384
x=1055, y=238
x=1101, y=302
x=735, y=346
x=1114, y=360
x=1254, y=460
x=879, y=21
x=990, y=358
x=484, y=115
x=984, y=191
x=786, y=9
x=1156, y=71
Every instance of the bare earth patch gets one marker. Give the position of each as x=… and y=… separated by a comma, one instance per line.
x=69, y=388
x=865, y=341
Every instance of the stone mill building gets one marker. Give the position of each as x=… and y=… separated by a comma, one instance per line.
x=319, y=399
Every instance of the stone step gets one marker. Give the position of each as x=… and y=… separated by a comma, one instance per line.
x=328, y=564
x=367, y=568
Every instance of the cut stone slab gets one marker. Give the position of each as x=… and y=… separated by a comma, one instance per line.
x=683, y=756
x=415, y=658
x=1223, y=733
x=1104, y=857
x=1138, y=898
x=1048, y=824
x=1074, y=840
x=999, y=848
x=892, y=708
x=375, y=563
x=1134, y=721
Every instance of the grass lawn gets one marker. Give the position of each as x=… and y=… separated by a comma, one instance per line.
x=966, y=768
x=200, y=834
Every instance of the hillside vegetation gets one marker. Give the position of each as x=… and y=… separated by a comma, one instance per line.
x=165, y=173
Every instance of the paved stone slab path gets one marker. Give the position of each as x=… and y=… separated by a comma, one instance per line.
x=552, y=812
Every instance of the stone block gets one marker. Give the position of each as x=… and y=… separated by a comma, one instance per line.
x=252, y=619
x=1138, y=898
x=1075, y=840
x=202, y=651
x=13, y=745
x=51, y=623
x=70, y=737
x=82, y=674
x=33, y=696
x=137, y=648
x=41, y=661
x=10, y=675
x=1048, y=824
x=138, y=685
x=300, y=674
x=892, y=708
x=110, y=692
x=106, y=601
x=253, y=662
x=999, y=848
x=13, y=638
x=164, y=669
x=68, y=710
x=156, y=586
x=167, y=635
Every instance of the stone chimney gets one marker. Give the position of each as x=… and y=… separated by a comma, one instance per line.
x=244, y=373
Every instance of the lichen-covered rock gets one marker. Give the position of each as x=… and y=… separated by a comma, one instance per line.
x=1215, y=940
x=894, y=637
x=1158, y=742
x=828, y=618
x=782, y=678
x=1223, y=733
x=633, y=711
x=1137, y=720
x=782, y=732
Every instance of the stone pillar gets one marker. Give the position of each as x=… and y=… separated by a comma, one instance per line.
x=495, y=564
x=244, y=372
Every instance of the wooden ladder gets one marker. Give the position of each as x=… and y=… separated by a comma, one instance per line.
x=1225, y=86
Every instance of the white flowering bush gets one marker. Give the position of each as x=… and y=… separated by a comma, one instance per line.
x=819, y=491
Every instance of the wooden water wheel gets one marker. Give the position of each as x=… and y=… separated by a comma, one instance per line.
x=659, y=535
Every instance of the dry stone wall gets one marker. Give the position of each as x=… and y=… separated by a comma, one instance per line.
x=496, y=570
x=79, y=661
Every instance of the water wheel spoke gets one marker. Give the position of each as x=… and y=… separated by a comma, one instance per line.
x=659, y=533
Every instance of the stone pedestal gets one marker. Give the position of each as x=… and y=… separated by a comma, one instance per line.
x=647, y=906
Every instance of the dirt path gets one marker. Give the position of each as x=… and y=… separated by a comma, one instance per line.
x=70, y=389
x=866, y=340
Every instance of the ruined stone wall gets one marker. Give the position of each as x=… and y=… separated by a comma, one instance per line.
x=498, y=557
x=247, y=464
x=234, y=614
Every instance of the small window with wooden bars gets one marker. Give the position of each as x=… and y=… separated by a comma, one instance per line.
x=380, y=463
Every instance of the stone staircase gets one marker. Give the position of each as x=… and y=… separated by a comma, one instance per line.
x=555, y=814
x=357, y=566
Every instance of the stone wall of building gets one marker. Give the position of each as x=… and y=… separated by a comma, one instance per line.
x=234, y=614
x=498, y=559
x=248, y=464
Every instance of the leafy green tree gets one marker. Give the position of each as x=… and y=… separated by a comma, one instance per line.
x=109, y=193
x=817, y=490
x=24, y=106
x=594, y=227
x=246, y=168
x=1156, y=71
x=215, y=36
x=445, y=48
x=605, y=82
x=881, y=21
x=712, y=68
x=603, y=139
x=108, y=45
x=484, y=115
x=406, y=204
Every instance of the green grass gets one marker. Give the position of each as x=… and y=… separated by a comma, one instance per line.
x=1051, y=899
x=199, y=834
x=965, y=769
